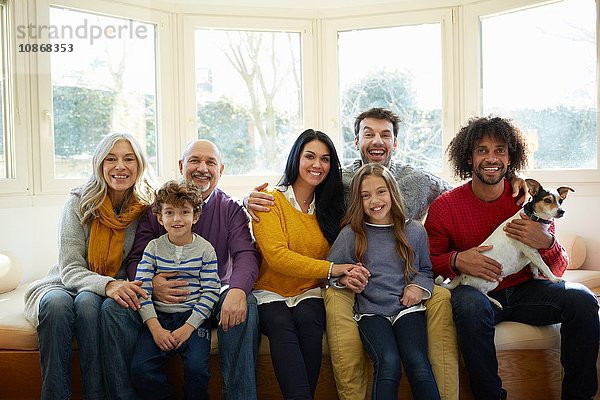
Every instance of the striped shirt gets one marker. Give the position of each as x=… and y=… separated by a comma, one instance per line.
x=197, y=265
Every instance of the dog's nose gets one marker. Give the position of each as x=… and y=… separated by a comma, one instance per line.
x=560, y=212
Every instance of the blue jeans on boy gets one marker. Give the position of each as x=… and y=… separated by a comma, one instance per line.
x=535, y=302
x=61, y=316
x=147, y=374
x=393, y=346
x=238, y=350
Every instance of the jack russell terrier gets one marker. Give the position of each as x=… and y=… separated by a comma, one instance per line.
x=513, y=255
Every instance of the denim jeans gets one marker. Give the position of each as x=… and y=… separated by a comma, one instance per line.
x=238, y=350
x=147, y=375
x=61, y=316
x=535, y=302
x=296, y=343
x=393, y=346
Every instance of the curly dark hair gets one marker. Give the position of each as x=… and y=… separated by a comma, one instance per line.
x=460, y=149
x=377, y=113
x=177, y=193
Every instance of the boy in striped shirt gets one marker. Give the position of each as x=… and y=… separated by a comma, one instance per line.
x=176, y=328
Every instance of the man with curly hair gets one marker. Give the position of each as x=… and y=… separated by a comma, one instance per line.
x=487, y=150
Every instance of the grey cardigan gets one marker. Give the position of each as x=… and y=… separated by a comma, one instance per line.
x=71, y=273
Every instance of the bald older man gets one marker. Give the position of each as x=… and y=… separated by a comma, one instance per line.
x=225, y=224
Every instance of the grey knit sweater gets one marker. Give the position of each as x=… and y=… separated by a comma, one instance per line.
x=71, y=272
x=418, y=187
x=386, y=284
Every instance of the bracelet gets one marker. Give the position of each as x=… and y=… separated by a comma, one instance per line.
x=329, y=272
x=453, y=262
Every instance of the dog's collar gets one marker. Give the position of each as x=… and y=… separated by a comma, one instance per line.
x=528, y=209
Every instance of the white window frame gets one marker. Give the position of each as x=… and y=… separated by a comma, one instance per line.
x=241, y=184
x=17, y=116
x=446, y=17
x=471, y=81
x=45, y=182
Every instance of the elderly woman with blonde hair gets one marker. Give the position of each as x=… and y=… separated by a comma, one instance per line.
x=96, y=232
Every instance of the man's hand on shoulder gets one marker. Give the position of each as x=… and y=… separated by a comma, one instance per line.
x=531, y=233
x=518, y=184
x=166, y=291
x=233, y=309
x=258, y=201
x=473, y=263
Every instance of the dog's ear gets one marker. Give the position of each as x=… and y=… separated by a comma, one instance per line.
x=563, y=191
x=533, y=185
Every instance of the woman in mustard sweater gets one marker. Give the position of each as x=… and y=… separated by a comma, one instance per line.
x=294, y=239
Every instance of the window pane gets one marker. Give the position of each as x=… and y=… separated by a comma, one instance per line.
x=107, y=83
x=3, y=95
x=249, y=96
x=404, y=76
x=539, y=68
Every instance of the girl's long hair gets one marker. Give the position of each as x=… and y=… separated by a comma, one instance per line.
x=329, y=194
x=94, y=190
x=355, y=216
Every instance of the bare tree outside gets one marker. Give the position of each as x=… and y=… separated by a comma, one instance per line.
x=402, y=78
x=103, y=86
x=265, y=84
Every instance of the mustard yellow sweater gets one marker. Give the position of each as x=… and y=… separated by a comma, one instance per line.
x=293, y=249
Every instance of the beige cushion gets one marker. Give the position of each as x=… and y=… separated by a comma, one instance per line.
x=15, y=331
x=589, y=278
x=517, y=336
x=11, y=271
x=575, y=247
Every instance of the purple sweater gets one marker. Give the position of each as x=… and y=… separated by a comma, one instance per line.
x=225, y=224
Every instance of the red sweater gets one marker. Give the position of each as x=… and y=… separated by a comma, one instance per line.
x=458, y=220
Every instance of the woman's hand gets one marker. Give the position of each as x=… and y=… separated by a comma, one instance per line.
x=126, y=293
x=355, y=278
x=412, y=295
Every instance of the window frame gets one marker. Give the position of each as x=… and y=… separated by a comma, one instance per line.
x=45, y=182
x=310, y=85
x=471, y=62
x=446, y=17
x=16, y=110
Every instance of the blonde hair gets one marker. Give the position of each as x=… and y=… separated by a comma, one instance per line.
x=94, y=190
x=355, y=216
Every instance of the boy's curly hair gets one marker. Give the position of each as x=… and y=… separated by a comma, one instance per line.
x=460, y=149
x=177, y=193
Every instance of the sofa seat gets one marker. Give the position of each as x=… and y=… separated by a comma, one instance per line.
x=528, y=356
x=16, y=333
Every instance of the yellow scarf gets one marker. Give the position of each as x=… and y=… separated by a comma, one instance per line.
x=107, y=236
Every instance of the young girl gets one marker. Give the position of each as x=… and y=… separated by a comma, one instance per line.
x=389, y=311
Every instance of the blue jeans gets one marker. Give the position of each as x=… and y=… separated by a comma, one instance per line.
x=296, y=343
x=238, y=350
x=61, y=316
x=535, y=302
x=392, y=346
x=147, y=375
